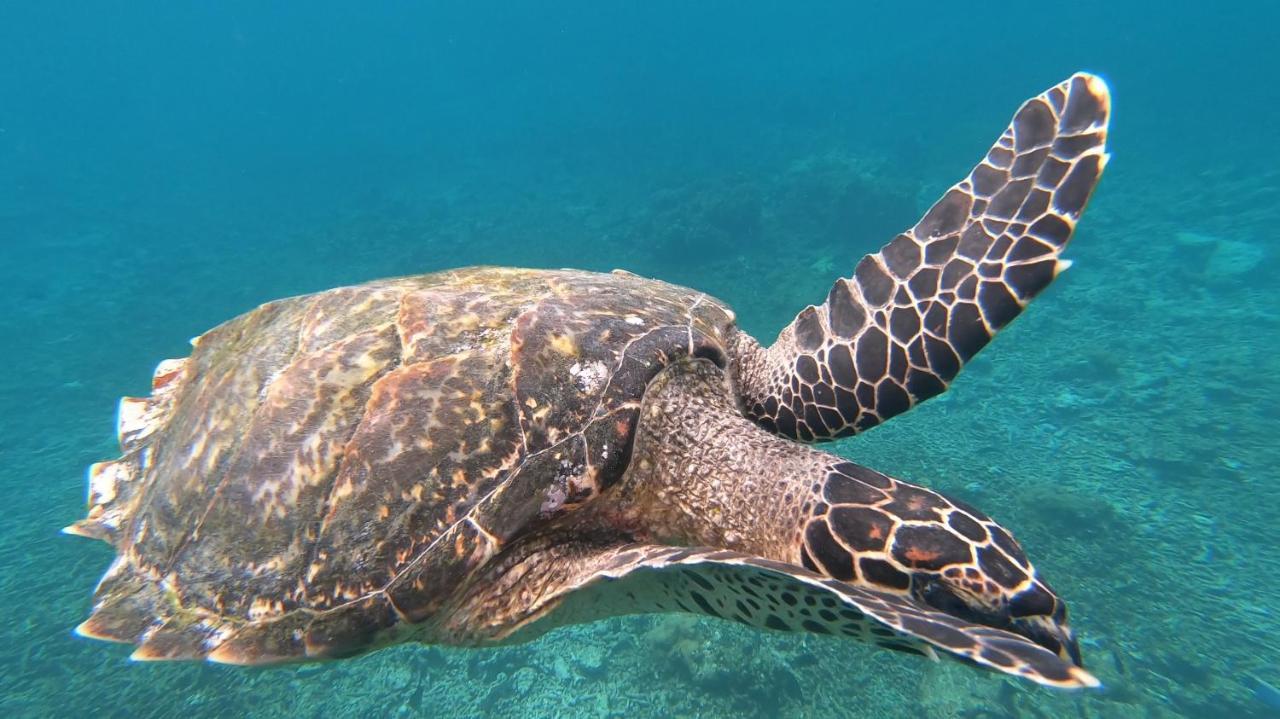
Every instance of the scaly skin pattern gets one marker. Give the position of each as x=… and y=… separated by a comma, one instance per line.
x=717, y=516
x=327, y=467
x=898, y=331
x=702, y=475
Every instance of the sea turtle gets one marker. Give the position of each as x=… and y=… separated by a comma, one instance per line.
x=476, y=456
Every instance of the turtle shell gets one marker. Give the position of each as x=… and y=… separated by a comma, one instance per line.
x=327, y=467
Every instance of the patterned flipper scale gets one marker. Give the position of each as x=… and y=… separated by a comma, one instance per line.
x=898, y=331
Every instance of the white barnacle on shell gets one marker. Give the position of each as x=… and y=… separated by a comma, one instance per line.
x=588, y=377
x=562, y=486
x=554, y=500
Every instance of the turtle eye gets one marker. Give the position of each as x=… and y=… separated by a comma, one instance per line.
x=941, y=595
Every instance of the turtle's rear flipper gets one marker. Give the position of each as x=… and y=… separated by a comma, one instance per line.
x=570, y=582
x=898, y=331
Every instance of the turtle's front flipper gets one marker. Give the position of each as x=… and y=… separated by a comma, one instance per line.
x=899, y=330
x=555, y=580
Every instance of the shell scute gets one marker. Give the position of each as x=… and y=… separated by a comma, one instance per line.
x=425, y=452
x=249, y=534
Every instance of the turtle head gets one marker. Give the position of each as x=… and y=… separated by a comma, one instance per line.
x=1033, y=611
x=882, y=532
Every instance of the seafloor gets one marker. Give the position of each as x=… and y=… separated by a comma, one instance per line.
x=1124, y=428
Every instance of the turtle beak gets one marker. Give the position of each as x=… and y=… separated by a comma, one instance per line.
x=1035, y=613
x=1044, y=622
x=1052, y=634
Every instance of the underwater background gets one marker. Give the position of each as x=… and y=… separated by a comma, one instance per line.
x=165, y=166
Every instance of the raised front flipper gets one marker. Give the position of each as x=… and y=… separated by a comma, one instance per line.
x=554, y=581
x=898, y=331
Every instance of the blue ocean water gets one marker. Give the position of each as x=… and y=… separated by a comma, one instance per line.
x=167, y=166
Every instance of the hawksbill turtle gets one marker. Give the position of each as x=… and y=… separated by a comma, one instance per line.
x=474, y=457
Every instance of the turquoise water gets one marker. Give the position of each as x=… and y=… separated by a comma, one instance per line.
x=166, y=166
